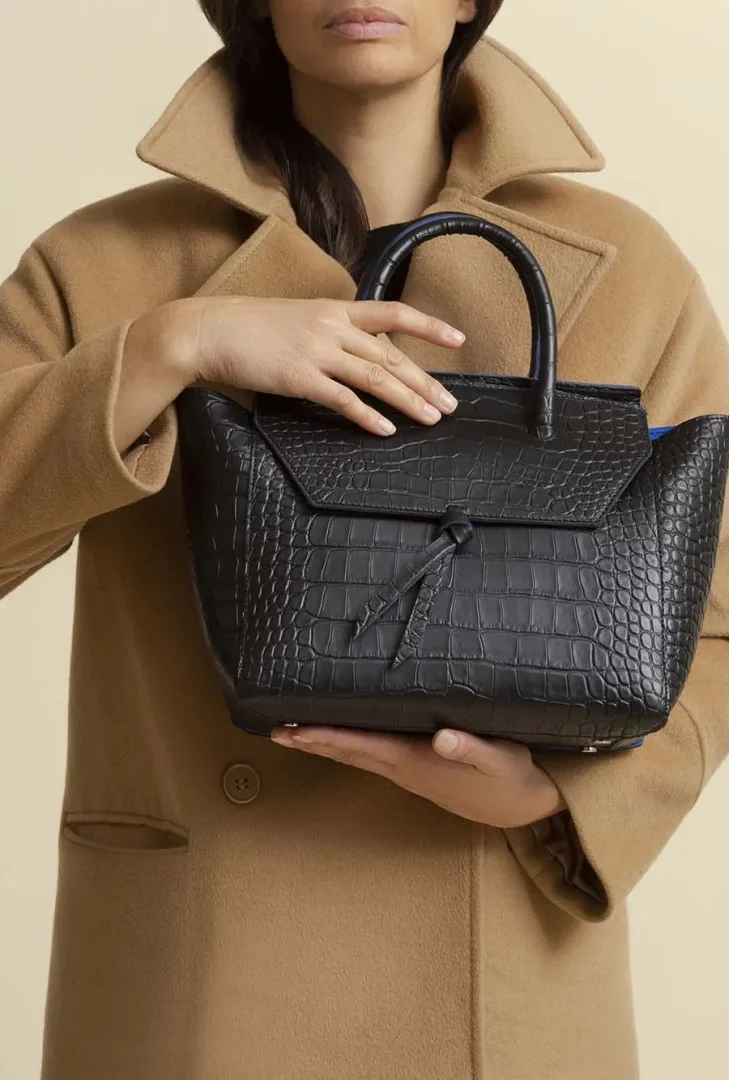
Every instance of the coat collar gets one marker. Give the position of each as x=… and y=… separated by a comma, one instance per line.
x=517, y=127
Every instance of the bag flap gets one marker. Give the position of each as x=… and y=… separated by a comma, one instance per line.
x=482, y=458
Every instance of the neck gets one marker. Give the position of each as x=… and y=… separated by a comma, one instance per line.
x=389, y=140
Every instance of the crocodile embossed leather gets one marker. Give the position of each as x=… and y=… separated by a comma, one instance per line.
x=535, y=567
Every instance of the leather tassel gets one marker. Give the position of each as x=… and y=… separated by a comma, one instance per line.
x=420, y=615
x=429, y=568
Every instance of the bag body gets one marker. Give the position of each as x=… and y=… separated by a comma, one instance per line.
x=534, y=567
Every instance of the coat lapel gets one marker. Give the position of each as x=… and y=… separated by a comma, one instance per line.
x=467, y=282
x=461, y=279
x=513, y=126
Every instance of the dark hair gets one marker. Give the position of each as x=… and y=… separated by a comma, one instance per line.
x=327, y=202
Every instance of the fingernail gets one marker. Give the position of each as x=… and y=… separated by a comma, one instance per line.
x=448, y=402
x=447, y=741
x=455, y=335
x=387, y=427
x=431, y=412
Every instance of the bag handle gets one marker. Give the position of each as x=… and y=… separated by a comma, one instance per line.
x=543, y=371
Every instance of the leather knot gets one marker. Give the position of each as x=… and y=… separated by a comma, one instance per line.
x=429, y=568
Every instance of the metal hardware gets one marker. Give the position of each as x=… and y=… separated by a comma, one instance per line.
x=290, y=723
x=589, y=749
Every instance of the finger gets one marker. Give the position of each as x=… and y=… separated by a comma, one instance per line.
x=376, y=380
x=378, y=316
x=496, y=758
x=393, y=361
x=342, y=399
x=368, y=750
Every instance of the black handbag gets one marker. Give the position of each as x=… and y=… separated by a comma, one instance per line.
x=533, y=567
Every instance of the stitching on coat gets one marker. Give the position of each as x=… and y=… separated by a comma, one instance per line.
x=581, y=135
x=154, y=136
x=212, y=286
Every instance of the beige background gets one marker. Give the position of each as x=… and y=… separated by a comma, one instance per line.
x=79, y=84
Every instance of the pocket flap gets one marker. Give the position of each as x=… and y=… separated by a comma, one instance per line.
x=110, y=831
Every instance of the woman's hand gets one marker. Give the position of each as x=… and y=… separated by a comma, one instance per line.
x=491, y=781
x=321, y=350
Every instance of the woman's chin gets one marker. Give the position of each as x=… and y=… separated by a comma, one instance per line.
x=375, y=67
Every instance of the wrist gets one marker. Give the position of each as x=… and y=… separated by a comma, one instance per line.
x=549, y=800
x=173, y=335
x=152, y=376
x=163, y=334
x=184, y=331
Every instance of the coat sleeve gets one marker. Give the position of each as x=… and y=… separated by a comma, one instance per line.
x=59, y=465
x=622, y=808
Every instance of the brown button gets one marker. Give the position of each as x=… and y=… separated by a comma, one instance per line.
x=241, y=783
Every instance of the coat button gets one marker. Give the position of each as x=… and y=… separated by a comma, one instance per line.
x=241, y=783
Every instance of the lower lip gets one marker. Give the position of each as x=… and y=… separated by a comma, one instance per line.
x=364, y=30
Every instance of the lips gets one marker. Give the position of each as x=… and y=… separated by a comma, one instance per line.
x=364, y=15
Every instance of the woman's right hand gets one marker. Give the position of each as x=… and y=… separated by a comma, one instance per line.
x=321, y=350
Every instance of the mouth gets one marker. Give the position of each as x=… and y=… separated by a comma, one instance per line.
x=365, y=22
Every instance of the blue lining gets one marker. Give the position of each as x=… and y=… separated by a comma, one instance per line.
x=656, y=432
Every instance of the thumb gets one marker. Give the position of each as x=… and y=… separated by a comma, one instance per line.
x=492, y=757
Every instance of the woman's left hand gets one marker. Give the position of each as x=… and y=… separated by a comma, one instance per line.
x=491, y=781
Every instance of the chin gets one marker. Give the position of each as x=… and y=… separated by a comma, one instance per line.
x=374, y=66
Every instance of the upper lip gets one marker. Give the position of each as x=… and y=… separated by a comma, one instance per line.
x=364, y=14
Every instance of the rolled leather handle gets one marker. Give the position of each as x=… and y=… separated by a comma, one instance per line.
x=543, y=370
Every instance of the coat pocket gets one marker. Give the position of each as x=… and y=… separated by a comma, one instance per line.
x=128, y=964
x=134, y=833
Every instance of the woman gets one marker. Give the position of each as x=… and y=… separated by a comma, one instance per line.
x=356, y=906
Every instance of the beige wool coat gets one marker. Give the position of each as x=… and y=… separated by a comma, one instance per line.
x=230, y=909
